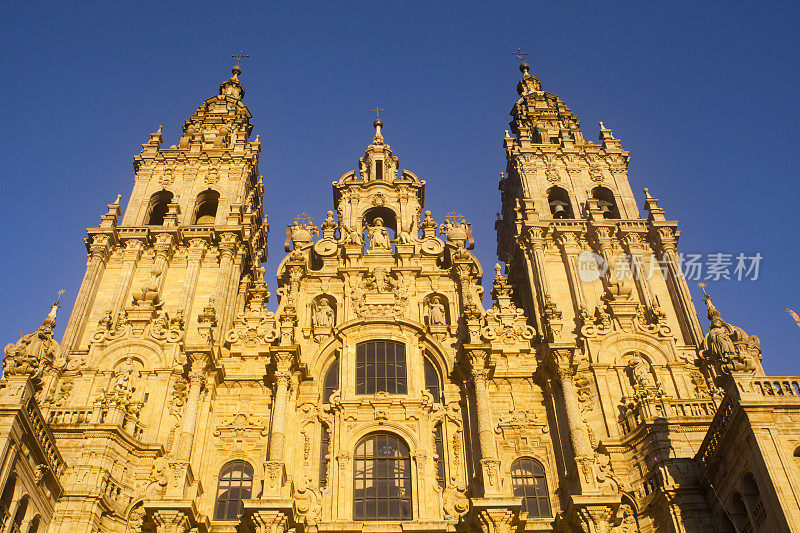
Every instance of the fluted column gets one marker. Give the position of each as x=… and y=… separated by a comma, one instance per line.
x=633, y=244
x=283, y=379
x=196, y=382
x=536, y=238
x=485, y=432
x=227, y=253
x=196, y=252
x=232, y=285
x=99, y=253
x=569, y=253
x=130, y=257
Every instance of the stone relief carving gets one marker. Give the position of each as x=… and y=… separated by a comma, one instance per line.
x=379, y=293
x=729, y=347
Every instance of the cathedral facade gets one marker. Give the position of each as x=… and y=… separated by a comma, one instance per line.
x=382, y=392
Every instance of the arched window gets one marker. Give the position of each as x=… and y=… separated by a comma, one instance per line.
x=235, y=485
x=34, y=526
x=19, y=516
x=157, y=208
x=381, y=367
x=205, y=209
x=6, y=498
x=558, y=200
x=432, y=381
x=530, y=482
x=753, y=500
x=438, y=446
x=739, y=513
x=382, y=478
x=605, y=199
x=331, y=382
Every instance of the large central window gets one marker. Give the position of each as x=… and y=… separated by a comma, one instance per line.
x=381, y=367
x=382, y=478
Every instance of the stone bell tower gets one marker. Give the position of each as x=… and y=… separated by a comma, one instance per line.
x=140, y=354
x=618, y=335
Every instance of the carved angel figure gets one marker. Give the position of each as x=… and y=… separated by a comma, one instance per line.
x=323, y=314
x=379, y=235
x=731, y=346
x=436, y=312
x=350, y=236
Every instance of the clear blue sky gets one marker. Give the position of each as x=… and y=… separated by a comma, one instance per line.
x=704, y=95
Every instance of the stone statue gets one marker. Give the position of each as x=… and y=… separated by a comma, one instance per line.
x=323, y=314
x=379, y=236
x=350, y=236
x=147, y=294
x=125, y=378
x=33, y=352
x=729, y=346
x=436, y=312
x=641, y=377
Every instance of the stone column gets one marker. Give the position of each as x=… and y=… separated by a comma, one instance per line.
x=130, y=257
x=490, y=466
x=99, y=253
x=569, y=253
x=670, y=257
x=230, y=292
x=578, y=437
x=195, y=253
x=196, y=382
x=227, y=253
x=163, y=248
x=270, y=521
x=283, y=379
x=536, y=238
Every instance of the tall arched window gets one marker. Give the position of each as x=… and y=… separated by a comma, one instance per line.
x=205, y=210
x=331, y=382
x=432, y=381
x=558, y=200
x=235, y=485
x=157, y=207
x=605, y=199
x=34, y=526
x=324, y=456
x=6, y=498
x=19, y=516
x=753, y=500
x=381, y=367
x=382, y=478
x=530, y=483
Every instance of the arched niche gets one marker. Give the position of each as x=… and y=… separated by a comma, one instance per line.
x=386, y=214
x=436, y=309
x=205, y=207
x=157, y=207
x=148, y=354
x=559, y=203
x=606, y=201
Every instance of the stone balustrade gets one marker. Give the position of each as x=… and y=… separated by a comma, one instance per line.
x=647, y=410
x=94, y=415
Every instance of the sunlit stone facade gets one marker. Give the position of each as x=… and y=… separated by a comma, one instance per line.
x=384, y=391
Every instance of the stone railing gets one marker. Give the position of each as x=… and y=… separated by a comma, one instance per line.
x=114, y=491
x=716, y=431
x=44, y=437
x=769, y=386
x=96, y=415
x=678, y=410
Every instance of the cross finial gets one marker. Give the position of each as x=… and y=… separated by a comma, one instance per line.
x=238, y=57
x=520, y=54
x=58, y=298
x=378, y=111
x=304, y=219
x=705, y=294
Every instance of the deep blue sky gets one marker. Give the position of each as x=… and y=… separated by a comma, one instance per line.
x=704, y=95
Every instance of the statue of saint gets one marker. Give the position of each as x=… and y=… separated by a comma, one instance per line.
x=323, y=314
x=436, y=312
x=640, y=372
x=379, y=236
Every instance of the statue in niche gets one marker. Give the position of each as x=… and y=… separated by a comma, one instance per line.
x=323, y=314
x=379, y=235
x=125, y=378
x=436, y=312
x=641, y=377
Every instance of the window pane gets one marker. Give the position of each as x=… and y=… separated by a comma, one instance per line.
x=235, y=485
x=381, y=367
x=382, y=479
x=529, y=482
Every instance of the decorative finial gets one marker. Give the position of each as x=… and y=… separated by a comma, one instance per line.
x=159, y=128
x=523, y=66
x=602, y=127
x=713, y=313
x=50, y=320
x=116, y=200
x=647, y=193
x=257, y=135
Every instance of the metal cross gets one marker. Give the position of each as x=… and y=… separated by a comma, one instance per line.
x=60, y=293
x=304, y=219
x=238, y=57
x=454, y=217
x=520, y=54
x=378, y=111
x=705, y=294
